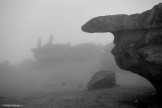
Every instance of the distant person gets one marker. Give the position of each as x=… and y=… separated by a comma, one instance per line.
x=50, y=42
x=39, y=43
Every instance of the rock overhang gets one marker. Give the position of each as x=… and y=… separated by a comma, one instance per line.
x=111, y=23
x=138, y=41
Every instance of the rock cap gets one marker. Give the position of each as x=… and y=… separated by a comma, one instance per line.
x=148, y=19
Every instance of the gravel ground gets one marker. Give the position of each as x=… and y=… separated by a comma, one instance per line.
x=124, y=96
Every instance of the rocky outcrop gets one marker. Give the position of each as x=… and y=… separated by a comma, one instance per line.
x=138, y=42
x=56, y=54
x=102, y=79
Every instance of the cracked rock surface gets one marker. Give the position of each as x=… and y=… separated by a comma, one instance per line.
x=138, y=42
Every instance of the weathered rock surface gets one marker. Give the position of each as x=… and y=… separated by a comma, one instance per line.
x=138, y=42
x=102, y=79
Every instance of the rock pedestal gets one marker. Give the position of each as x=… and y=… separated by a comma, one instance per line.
x=138, y=42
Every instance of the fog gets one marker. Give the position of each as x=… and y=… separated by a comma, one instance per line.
x=22, y=22
x=61, y=67
x=28, y=66
x=65, y=67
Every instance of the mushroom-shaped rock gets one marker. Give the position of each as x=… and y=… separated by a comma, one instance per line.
x=138, y=42
x=102, y=79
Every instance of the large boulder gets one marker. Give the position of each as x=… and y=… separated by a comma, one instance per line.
x=102, y=79
x=138, y=42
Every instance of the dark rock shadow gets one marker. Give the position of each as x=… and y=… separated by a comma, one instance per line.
x=143, y=101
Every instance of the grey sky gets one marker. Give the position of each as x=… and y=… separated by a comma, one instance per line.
x=22, y=22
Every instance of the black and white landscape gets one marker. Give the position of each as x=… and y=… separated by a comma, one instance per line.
x=54, y=54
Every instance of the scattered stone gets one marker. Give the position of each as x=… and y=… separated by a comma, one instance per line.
x=80, y=86
x=102, y=79
x=63, y=84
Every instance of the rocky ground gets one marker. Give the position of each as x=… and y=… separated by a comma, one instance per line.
x=131, y=91
x=121, y=96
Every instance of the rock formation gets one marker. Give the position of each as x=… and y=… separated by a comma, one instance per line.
x=102, y=79
x=138, y=42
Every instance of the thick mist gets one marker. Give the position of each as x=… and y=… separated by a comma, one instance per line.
x=36, y=70
x=22, y=22
x=61, y=67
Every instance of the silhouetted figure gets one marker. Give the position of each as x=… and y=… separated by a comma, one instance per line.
x=39, y=43
x=50, y=42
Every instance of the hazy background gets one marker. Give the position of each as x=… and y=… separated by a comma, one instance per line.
x=22, y=22
x=75, y=55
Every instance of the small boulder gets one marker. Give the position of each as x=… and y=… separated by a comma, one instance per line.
x=80, y=86
x=102, y=79
x=63, y=84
